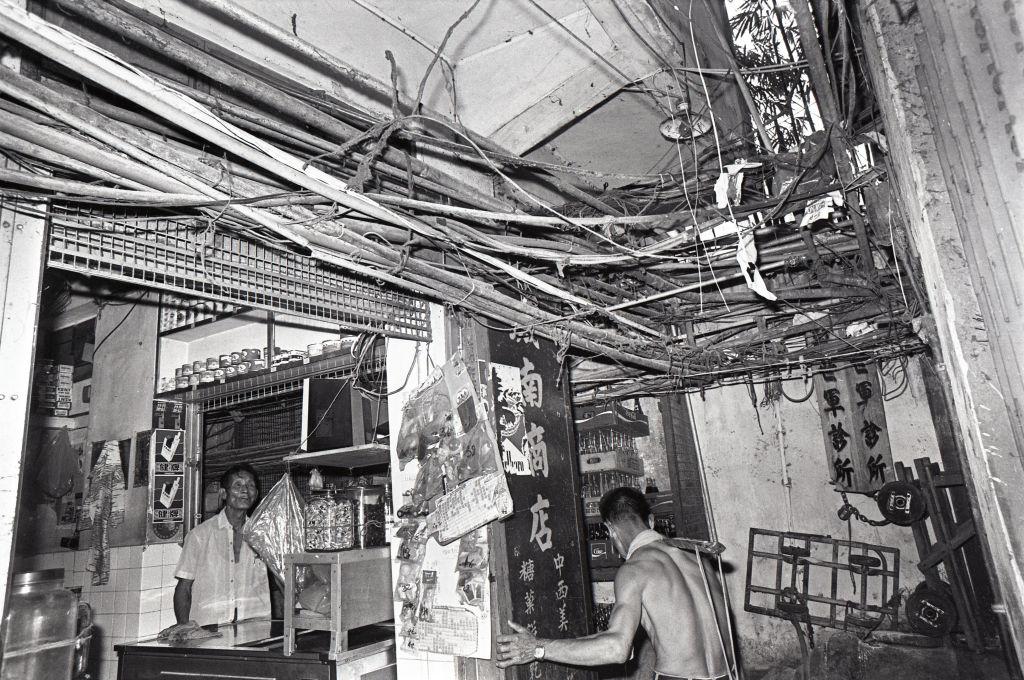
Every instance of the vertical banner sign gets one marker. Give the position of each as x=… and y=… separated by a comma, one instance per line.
x=853, y=422
x=167, y=485
x=549, y=589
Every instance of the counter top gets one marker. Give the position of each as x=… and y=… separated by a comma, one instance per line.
x=263, y=637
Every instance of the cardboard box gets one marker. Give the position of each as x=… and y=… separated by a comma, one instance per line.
x=612, y=461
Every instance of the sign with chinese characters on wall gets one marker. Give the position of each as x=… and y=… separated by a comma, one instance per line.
x=549, y=593
x=853, y=422
x=167, y=485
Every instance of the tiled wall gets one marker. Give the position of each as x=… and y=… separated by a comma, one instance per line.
x=136, y=602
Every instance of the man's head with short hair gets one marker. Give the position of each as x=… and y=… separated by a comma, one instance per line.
x=623, y=503
x=626, y=513
x=239, y=492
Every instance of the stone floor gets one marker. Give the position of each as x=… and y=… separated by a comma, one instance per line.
x=844, y=657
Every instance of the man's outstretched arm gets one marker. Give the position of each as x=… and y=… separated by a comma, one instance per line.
x=610, y=646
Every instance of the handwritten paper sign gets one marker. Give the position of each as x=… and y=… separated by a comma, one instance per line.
x=471, y=505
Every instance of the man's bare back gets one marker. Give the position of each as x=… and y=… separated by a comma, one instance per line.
x=676, y=613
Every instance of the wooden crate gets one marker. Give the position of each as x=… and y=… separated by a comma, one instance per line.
x=360, y=583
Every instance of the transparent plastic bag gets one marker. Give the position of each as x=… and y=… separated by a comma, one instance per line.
x=276, y=527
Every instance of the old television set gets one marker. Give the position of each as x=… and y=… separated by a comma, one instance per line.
x=336, y=415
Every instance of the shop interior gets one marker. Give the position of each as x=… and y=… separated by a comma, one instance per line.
x=440, y=276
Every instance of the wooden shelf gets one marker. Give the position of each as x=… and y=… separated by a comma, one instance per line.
x=365, y=455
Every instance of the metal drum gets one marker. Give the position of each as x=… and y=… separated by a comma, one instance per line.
x=42, y=639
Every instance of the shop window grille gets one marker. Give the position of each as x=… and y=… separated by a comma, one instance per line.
x=184, y=256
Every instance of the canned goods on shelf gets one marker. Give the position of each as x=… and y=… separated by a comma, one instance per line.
x=186, y=370
x=181, y=382
x=230, y=372
x=194, y=379
x=242, y=367
x=177, y=372
x=198, y=366
x=259, y=364
x=212, y=363
x=250, y=354
x=206, y=377
x=225, y=361
x=218, y=374
x=236, y=358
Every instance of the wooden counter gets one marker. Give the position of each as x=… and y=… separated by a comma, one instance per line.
x=253, y=650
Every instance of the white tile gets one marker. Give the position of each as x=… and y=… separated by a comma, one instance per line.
x=107, y=603
x=81, y=559
x=118, y=558
x=167, y=600
x=150, y=600
x=152, y=556
x=117, y=580
x=132, y=578
x=172, y=551
x=118, y=627
x=149, y=624
x=167, y=619
x=131, y=626
x=152, y=577
x=167, y=574
x=121, y=603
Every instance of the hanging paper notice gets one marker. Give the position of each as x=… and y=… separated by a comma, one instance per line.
x=746, y=256
x=511, y=421
x=472, y=504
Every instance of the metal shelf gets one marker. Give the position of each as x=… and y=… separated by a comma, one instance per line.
x=285, y=379
x=364, y=455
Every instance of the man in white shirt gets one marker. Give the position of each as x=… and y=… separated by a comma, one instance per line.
x=220, y=578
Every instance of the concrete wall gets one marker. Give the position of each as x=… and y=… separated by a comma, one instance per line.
x=949, y=83
x=779, y=480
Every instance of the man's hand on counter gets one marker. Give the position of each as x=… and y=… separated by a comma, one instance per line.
x=181, y=632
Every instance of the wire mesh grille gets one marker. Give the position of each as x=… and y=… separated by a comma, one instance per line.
x=184, y=256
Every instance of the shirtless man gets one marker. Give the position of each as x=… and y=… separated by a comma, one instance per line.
x=659, y=586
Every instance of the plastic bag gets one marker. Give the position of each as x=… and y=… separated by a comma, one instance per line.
x=276, y=526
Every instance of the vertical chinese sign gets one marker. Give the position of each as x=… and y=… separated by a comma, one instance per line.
x=167, y=485
x=853, y=422
x=547, y=581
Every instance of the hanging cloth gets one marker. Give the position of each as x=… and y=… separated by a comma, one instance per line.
x=104, y=507
x=57, y=464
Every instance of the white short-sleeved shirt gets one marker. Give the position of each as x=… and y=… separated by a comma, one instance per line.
x=220, y=585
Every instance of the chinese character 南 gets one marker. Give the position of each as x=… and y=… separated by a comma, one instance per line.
x=530, y=602
x=538, y=450
x=559, y=562
x=864, y=390
x=877, y=468
x=870, y=432
x=526, y=571
x=533, y=384
x=839, y=436
x=843, y=471
x=561, y=591
x=539, y=530
x=833, y=400
x=563, y=620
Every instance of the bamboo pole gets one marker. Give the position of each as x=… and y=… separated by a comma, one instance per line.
x=69, y=186
x=332, y=64
x=144, y=33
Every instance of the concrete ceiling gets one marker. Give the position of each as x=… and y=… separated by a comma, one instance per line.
x=511, y=70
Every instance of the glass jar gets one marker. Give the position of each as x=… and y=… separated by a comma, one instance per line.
x=40, y=627
x=328, y=520
x=368, y=515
